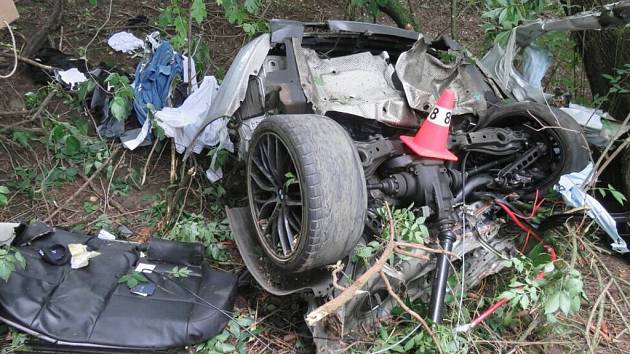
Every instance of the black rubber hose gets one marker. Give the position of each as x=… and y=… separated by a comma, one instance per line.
x=472, y=184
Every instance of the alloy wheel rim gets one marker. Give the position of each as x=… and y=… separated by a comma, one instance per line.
x=275, y=196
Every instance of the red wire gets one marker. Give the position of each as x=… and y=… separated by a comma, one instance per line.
x=531, y=215
x=517, y=221
x=552, y=253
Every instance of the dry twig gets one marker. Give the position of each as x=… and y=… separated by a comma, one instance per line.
x=333, y=305
x=83, y=186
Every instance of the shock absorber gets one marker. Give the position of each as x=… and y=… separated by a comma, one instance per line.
x=446, y=239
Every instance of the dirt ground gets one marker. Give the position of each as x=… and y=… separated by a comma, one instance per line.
x=80, y=24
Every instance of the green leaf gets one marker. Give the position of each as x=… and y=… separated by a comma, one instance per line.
x=409, y=345
x=133, y=279
x=92, y=2
x=552, y=304
x=252, y=6
x=22, y=137
x=20, y=259
x=4, y=190
x=564, y=302
x=224, y=347
x=57, y=133
x=198, y=10
x=120, y=108
x=85, y=88
x=249, y=28
x=5, y=270
x=71, y=146
x=524, y=302
x=619, y=197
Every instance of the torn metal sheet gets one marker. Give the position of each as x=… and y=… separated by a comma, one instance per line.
x=499, y=60
x=612, y=15
x=599, y=126
x=248, y=62
x=424, y=76
x=285, y=29
x=571, y=187
x=359, y=84
x=245, y=132
x=371, y=28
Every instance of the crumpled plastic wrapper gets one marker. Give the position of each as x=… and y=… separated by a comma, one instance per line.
x=80, y=255
x=571, y=186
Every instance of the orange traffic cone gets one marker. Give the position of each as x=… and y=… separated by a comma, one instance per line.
x=432, y=137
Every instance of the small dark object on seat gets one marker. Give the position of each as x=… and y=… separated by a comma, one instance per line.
x=56, y=254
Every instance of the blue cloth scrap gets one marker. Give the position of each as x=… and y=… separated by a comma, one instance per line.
x=154, y=78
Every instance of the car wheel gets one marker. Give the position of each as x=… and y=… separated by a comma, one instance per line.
x=306, y=190
x=567, y=148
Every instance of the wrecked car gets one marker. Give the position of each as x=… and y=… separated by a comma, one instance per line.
x=319, y=112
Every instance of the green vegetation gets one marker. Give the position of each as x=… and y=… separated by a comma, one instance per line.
x=10, y=258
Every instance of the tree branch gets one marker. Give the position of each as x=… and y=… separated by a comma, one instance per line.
x=333, y=305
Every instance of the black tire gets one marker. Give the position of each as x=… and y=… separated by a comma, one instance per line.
x=331, y=189
x=550, y=125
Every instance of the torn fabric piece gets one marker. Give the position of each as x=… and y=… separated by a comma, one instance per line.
x=571, y=187
x=72, y=77
x=133, y=138
x=153, y=79
x=193, y=72
x=125, y=42
x=182, y=123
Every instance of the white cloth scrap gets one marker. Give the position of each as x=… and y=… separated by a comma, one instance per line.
x=193, y=72
x=183, y=122
x=571, y=186
x=72, y=77
x=125, y=42
x=131, y=140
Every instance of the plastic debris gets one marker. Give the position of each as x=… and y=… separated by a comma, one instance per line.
x=7, y=232
x=106, y=235
x=571, y=186
x=80, y=255
x=125, y=42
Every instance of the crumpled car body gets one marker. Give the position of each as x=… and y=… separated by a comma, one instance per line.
x=306, y=94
